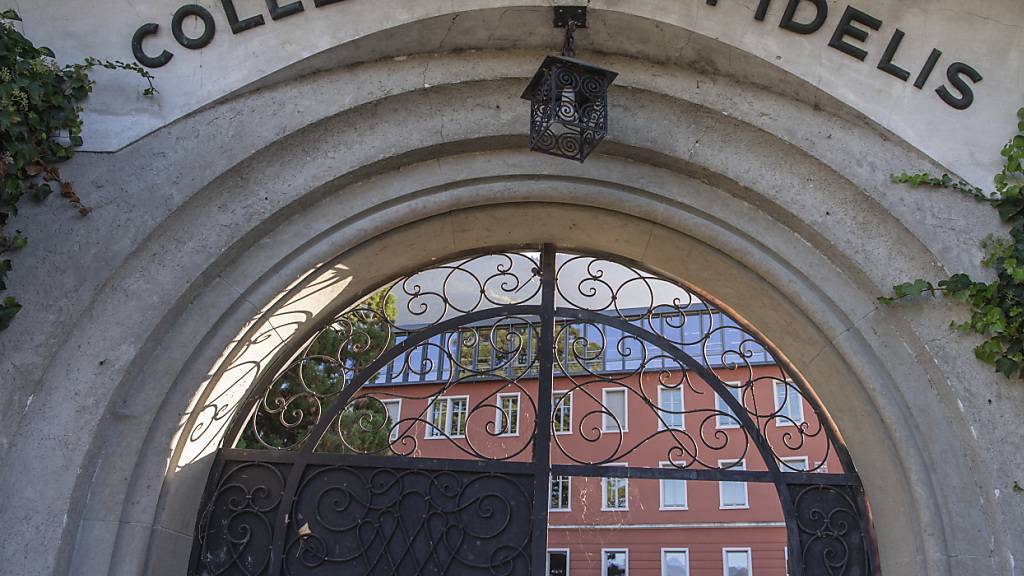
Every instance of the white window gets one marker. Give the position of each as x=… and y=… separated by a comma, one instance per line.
x=614, y=401
x=673, y=492
x=506, y=421
x=616, y=492
x=736, y=562
x=447, y=417
x=561, y=492
x=795, y=464
x=614, y=562
x=789, y=405
x=394, y=408
x=732, y=494
x=558, y=562
x=730, y=421
x=675, y=562
x=670, y=401
x=561, y=418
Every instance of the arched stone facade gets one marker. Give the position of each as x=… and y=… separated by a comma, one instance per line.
x=223, y=234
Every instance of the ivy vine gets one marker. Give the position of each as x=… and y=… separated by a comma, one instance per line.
x=996, y=307
x=40, y=127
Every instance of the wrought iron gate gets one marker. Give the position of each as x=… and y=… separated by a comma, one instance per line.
x=327, y=473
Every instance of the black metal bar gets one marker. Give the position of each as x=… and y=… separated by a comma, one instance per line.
x=566, y=14
x=280, y=527
x=395, y=462
x=703, y=474
x=867, y=526
x=216, y=471
x=542, y=430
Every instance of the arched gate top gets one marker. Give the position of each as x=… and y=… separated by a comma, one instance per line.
x=445, y=371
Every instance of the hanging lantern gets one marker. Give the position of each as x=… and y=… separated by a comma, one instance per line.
x=568, y=97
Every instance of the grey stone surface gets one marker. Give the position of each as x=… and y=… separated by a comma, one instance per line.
x=983, y=34
x=756, y=186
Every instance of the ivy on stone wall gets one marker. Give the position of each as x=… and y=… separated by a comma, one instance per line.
x=40, y=127
x=996, y=307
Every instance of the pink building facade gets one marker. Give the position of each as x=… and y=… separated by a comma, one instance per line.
x=636, y=420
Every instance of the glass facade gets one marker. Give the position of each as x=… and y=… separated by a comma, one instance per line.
x=477, y=353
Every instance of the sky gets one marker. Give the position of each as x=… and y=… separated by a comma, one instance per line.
x=583, y=282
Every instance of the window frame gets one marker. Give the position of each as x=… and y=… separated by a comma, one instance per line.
x=682, y=408
x=560, y=405
x=446, y=433
x=785, y=421
x=604, y=491
x=499, y=413
x=675, y=550
x=725, y=559
x=733, y=422
x=393, y=433
x=740, y=464
x=604, y=565
x=625, y=409
x=789, y=459
x=547, y=560
x=661, y=493
x=568, y=490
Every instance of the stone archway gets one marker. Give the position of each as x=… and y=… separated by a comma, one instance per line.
x=701, y=197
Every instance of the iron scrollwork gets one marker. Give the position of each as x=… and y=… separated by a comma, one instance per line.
x=236, y=527
x=329, y=469
x=294, y=403
x=688, y=326
x=511, y=341
x=649, y=373
x=367, y=521
x=832, y=528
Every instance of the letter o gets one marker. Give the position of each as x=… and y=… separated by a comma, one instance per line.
x=209, y=26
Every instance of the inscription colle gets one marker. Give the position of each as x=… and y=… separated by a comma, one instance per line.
x=848, y=36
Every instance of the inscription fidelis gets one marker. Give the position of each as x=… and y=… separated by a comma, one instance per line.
x=804, y=17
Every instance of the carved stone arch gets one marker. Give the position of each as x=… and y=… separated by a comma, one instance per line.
x=207, y=271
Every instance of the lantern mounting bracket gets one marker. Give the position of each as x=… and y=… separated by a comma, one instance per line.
x=566, y=14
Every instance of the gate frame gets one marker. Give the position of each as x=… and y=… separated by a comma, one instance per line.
x=549, y=315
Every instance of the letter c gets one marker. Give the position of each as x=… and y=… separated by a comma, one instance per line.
x=140, y=54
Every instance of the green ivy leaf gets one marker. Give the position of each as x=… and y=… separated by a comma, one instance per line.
x=988, y=351
x=8, y=310
x=913, y=289
x=40, y=127
x=996, y=307
x=1006, y=366
x=5, y=267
